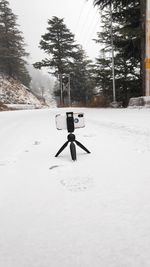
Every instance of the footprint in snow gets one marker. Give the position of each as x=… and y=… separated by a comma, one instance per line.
x=76, y=184
x=54, y=166
x=37, y=143
x=3, y=163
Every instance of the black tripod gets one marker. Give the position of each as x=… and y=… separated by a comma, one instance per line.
x=71, y=139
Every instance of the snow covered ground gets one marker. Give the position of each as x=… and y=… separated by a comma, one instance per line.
x=93, y=212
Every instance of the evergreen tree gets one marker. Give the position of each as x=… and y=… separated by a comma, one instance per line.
x=60, y=46
x=103, y=76
x=65, y=58
x=127, y=59
x=129, y=41
x=12, y=47
x=82, y=81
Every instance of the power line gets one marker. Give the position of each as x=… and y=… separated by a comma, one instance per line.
x=82, y=19
x=80, y=15
x=86, y=23
x=89, y=33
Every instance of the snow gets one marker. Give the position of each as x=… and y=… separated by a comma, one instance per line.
x=13, y=92
x=21, y=106
x=139, y=102
x=91, y=212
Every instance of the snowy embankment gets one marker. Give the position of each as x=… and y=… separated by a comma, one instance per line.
x=92, y=212
x=15, y=95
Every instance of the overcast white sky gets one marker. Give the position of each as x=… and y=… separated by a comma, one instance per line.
x=79, y=16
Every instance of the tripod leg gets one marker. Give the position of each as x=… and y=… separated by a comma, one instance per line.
x=62, y=148
x=83, y=147
x=73, y=151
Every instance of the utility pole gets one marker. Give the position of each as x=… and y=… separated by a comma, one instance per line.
x=112, y=49
x=147, y=59
x=61, y=89
x=69, y=93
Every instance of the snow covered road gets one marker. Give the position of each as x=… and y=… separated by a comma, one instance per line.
x=92, y=212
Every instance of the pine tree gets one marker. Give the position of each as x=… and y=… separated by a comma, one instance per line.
x=127, y=37
x=60, y=46
x=103, y=76
x=66, y=58
x=82, y=81
x=12, y=47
